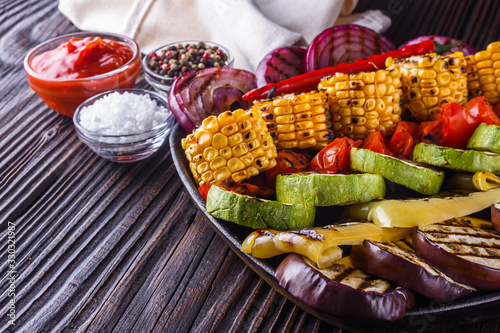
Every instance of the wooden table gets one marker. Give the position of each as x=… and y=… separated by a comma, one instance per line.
x=104, y=247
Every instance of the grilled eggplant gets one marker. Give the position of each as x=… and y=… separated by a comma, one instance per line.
x=465, y=249
x=343, y=290
x=398, y=262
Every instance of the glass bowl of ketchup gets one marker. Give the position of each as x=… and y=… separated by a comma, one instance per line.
x=69, y=69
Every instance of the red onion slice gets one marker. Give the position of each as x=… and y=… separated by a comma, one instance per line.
x=208, y=81
x=198, y=94
x=443, y=40
x=176, y=104
x=344, y=43
x=280, y=64
x=228, y=98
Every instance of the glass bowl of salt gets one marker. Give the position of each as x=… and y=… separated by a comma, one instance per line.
x=125, y=125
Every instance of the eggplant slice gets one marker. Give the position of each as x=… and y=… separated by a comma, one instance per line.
x=398, y=262
x=466, y=250
x=342, y=290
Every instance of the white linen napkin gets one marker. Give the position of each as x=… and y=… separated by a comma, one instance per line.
x=248, y=28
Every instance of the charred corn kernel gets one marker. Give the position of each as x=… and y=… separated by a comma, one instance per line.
x=430, y=80
x=202, y=168
x=209, y=154
x=222, y=174
x=364, y=102
x=230, y=148
x=240, y=149
x=235, y=139
x=206, y=177
x=248, y=158
x=226, y=152
x=287, y=115
x=219, y=140
x=234, y=164
x=239, y=176
x=291, y=136
x=253, y=144
x=257, y=152
x=211, y=124
x=229, y=129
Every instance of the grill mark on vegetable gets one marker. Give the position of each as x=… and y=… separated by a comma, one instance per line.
x=345, y=274
x=443, y=234
x=404, y=249
x=265, y=233
x=288, y=63
x=461, y=251
x=457, y=246
x=366, y=284
x=308, y=233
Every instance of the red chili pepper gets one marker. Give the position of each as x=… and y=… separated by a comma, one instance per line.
x=309, y=81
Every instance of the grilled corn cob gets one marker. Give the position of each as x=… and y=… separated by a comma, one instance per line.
x=364, y=102
x=298, y=120
x=483, y=73
x=430, y=80
x=230, y=148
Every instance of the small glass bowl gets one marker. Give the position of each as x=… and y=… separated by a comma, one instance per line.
x=162, y=83
x=65, y=95
x=130, y=147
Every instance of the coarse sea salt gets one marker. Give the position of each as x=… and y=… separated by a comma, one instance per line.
x=123, y=114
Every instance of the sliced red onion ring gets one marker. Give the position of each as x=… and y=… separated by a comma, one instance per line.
x=216, y=78
x=280, y=64
x=443, y=40
x=176, y=104
x=198, y=94
x=229, y=98
x=344, y=43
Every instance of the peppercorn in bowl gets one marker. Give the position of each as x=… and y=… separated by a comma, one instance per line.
x=125, y=125
x=163, y=65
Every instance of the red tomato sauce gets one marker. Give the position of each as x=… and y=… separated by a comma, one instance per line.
x=82, y=57
x=65, y=75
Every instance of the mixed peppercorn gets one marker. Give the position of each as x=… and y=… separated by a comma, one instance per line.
x=175, y=60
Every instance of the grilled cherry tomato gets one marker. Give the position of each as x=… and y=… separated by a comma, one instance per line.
x=335, y=158
x=481, y=109
x=405, y=138
x=377, y=143
x=240, y=188
x=287, y=161
x=454, y=124
x=203, y=189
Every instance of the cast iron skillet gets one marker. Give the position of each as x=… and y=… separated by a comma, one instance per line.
x=426, y=315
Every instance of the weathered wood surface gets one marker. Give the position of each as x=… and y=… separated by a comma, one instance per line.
x=103, y=247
